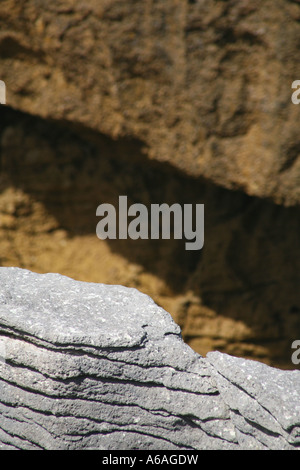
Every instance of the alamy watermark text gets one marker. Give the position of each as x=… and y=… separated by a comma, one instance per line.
x=161, y=221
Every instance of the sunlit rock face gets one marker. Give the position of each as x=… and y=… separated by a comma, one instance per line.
x=94, y=366
x=206, y=85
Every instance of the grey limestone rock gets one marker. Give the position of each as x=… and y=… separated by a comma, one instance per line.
x=92, y=366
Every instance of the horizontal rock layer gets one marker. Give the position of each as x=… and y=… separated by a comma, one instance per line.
x=93, y=366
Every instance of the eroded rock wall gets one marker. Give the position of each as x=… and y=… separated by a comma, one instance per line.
x=163, y=101
x=92, y=366
x=205, y=84
x=238, y=294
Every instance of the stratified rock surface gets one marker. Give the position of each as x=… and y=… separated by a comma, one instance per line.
x=93, y=366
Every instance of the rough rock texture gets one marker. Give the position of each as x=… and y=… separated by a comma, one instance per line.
x=93, y=366
x=156, y=95
x=204, y=84
x=240, y=294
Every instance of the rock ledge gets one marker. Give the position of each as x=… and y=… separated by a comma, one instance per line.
x=92, y=366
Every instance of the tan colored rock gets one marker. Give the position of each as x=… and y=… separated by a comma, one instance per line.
x=204, y=85
x=239, y=294
x=164, y=101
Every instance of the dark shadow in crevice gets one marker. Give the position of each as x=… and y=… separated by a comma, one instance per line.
x=249, y=268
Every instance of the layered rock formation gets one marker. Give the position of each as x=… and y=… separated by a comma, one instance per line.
x=164, y=101
x=92, y=366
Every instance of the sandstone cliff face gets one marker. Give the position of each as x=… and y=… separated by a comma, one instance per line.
x=165, y=101
x=206, y=85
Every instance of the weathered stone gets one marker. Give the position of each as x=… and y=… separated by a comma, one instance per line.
x=276, y=392
x=201, y=86
x=92, y=366
x=205, y=85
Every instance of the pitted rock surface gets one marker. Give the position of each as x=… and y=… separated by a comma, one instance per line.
x=93, y=366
